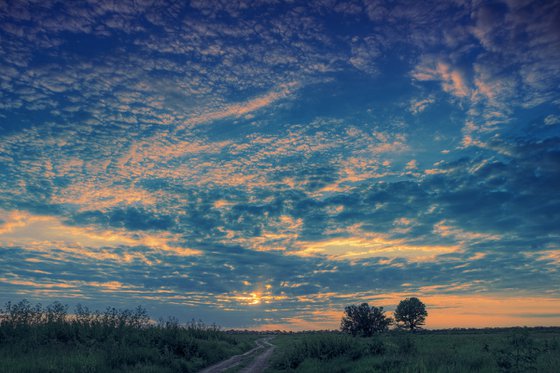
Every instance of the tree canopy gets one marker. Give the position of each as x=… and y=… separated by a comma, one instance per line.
x=364, y=320
x=411, y=313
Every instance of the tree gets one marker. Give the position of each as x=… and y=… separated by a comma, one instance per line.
x=411, y=313
x=364, y=320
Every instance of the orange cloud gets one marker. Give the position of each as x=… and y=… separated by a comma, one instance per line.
x=452, y=80
x=444, y=229
x=237, y=110
x=418, y=106
x=41, y=232
x=370, y=245
x=261, y=294
x=94, y=195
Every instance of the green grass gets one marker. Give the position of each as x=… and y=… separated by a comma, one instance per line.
x=34, y=339
x=509, y=350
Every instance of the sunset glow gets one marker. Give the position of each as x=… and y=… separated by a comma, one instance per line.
x=263, y=164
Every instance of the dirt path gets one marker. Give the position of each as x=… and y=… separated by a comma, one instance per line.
x=260, y=362
x=258, y=356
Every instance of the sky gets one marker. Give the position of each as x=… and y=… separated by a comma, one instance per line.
x=262, y=164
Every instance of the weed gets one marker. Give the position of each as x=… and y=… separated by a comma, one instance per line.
x=34, y=338
x=520, y=353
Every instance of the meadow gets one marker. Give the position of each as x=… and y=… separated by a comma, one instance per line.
x=38, y=339
x=477, y=350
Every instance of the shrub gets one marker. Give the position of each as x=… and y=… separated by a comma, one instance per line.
x=406, y=345
x=520, y=353
x=116, y=339
x=326, y=347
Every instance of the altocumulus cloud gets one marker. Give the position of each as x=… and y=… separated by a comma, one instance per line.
x=263, y=165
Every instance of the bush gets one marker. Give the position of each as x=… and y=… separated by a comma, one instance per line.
x=406, y=345
x=376, y=347
x=519, y=355
x=37, y=338
x=325, y=347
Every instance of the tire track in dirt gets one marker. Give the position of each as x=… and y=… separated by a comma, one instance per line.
x=258, y=356
x=260, y=362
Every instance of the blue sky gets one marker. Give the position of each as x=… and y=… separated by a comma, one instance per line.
x=262, y=164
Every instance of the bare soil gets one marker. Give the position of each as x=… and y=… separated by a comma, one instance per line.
x=258, y=359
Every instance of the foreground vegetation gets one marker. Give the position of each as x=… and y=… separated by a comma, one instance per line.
x=50, y=339
x=47, y=339
x=493, y=350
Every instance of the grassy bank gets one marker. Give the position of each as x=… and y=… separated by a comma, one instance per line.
x=499, y=350
x=47, y=339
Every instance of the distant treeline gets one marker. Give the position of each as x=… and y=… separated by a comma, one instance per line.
x=505, y=330
x=36, y=338
x=24, y=314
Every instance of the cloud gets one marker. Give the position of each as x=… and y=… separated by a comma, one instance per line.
x=452, y=79
x=411, y=165
x=418, y=106
x=254, y=163
x=237, y=110
x=371, y=246
x=131, y=218
x=365, y=53
x=43, y=232
x=551, y=120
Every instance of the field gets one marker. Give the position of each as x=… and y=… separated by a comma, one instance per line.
x=49, y=339
x=493, y=350
x=35, y=339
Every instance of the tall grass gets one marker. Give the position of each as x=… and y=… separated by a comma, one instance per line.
x=34, y=338
x=326, y=347
x=514, y=350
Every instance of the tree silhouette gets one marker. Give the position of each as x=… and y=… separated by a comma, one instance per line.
x=411, y=313
x=364, y=320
